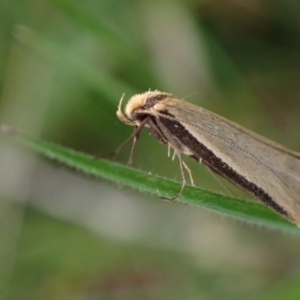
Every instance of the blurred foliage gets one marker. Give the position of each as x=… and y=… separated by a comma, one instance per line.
x=63, y=67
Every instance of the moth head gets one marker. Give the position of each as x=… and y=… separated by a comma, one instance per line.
x=138, y=105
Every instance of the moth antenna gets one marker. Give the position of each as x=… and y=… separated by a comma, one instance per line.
x=191, y=95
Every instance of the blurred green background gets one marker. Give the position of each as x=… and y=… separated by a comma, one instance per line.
x=63, y=68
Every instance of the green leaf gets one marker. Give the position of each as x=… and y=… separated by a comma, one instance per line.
x=252, y=212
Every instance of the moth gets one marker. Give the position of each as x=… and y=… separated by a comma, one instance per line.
x=259, y=166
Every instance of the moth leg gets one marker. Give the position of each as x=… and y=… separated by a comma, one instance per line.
x=134, y=136
x=135, y=139
x=190, y=173
x=174, y=154
x=181, y=164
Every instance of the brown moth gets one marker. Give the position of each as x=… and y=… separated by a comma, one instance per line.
x=261, y=167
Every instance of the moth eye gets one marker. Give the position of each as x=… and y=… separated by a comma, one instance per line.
x=151, y=101
x=137, y=114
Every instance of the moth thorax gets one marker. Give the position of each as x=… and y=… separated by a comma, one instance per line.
x=140, y=101
x=135, y=102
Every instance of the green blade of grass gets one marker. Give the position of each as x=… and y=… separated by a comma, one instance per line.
x=114, y=42
x=252, y=212
x=100, y=81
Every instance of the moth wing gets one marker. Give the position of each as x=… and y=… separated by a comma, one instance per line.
x=265, y=163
